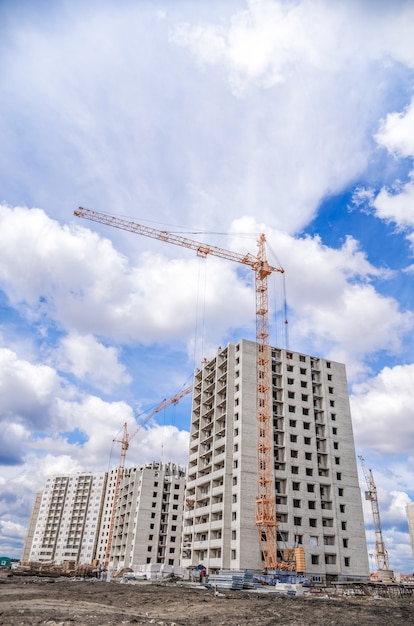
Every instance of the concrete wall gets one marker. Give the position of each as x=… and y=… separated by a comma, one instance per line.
x=316, y=481
x=67, y=519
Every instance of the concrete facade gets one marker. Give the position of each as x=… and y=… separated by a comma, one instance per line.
x=70, y=519
x=105, y=518
x=67, y=521
x=318, y=499
x=31, y=528
x=149, y=518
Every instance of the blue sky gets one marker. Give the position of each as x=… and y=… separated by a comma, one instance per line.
x=229, y=119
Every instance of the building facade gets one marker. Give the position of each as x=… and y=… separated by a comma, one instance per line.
x=105, y=519
x=148, y=523
x=318, y=499
x=71, y=516
x=65, y=519
x=31, y=528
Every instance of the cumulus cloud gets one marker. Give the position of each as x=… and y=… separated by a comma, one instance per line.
x=159, y=443
x=394, y=204
x=36, y=410
x=11, y=529
x=12, y=439
x=267, y=41
x=86, y=358
x=291, y=55
x=79, y=281
x=301, y=130
x=27, y=389
x=383, y=413
x=334, y=306
x=396, y=132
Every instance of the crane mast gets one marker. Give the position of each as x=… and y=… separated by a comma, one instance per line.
x=125, y=441
x=266, y=523
x=381, y=553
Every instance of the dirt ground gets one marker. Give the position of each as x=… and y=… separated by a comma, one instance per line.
x=62, y=602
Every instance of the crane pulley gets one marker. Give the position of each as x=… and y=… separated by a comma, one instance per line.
x=266, y=523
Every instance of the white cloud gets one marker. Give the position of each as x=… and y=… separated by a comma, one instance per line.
x=396, y=205
x=77, y=279
x=383, y=412
x=34, y=400
x=98, y=420
x=262, y=42
x=27, y=390
x=159, y=443
x=335, y=308
x=88, y=359
x=74, y=278
x=37, y=254
x=302, y=129
x=397, y=509
x=396, y=133
x=12, y=530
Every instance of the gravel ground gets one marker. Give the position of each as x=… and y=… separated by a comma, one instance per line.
x=62, y=602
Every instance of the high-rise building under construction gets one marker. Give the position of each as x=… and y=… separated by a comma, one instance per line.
x=318, y=499
x=71, y=518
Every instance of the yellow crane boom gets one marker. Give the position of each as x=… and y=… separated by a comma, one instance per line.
x=125, y=441
x=266, y=522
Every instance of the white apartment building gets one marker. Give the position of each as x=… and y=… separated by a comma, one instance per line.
x=149, y=517
x=318, y=499
x=65, y=519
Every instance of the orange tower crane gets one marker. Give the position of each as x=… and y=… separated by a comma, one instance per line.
x=266, y=522
x=125, y=441
x=381, y=553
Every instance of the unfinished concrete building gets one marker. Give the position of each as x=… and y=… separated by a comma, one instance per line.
x=148, y=523
x=71, y=516
x=318, y=499
x=65, y=519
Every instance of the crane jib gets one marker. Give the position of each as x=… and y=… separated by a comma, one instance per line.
x=266, y=520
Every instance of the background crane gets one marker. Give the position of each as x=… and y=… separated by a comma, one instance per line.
x=266, y=522
x=125, y=441
x=381, y=554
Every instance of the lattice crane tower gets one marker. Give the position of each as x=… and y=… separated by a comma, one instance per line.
x=125, y=441
x=381, y=553
x=266, y=523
